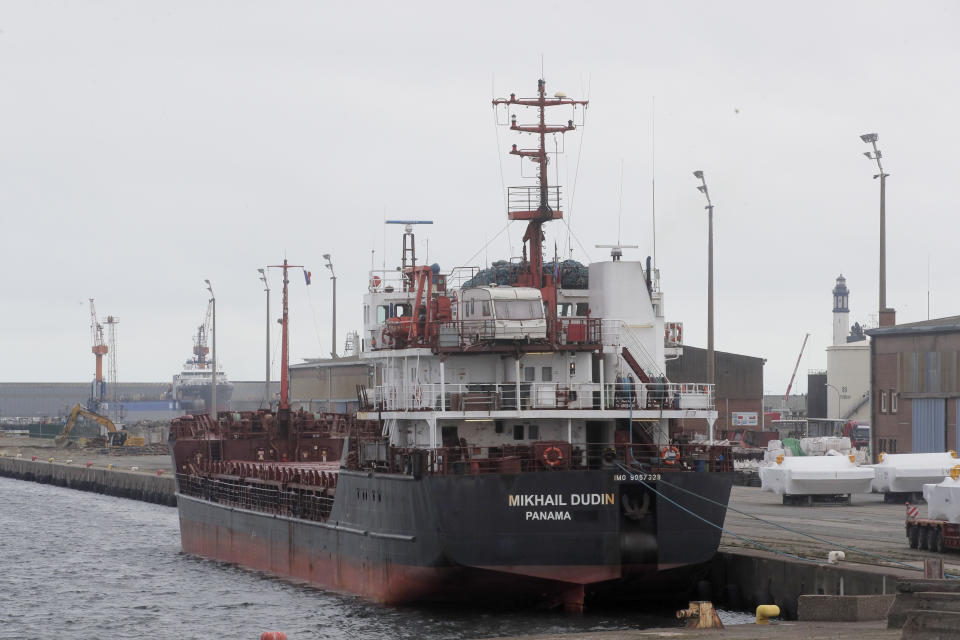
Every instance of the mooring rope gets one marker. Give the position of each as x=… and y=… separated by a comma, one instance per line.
x=775, y=524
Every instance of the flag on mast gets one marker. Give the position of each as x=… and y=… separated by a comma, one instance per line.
x=306, y=276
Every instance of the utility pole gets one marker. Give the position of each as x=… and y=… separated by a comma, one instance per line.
x=333, y=277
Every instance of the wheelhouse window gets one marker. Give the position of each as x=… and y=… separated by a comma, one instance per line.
x=383, y=312
x=883, y=402
x=894, y=401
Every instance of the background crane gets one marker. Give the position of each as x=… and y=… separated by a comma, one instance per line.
x=99, y=349
x=115, y=407
x=794, y=375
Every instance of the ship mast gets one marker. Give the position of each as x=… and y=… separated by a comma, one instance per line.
x=521, y=200
x=285, y=348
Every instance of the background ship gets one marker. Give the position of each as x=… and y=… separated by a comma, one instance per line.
x=193, y=386
x=515, y=445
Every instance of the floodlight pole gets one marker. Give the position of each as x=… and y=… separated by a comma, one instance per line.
x=266, y=388
x=872, y=138
x=213, y=390
x=710, y=352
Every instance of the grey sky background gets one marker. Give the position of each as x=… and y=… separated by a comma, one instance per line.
x=146, y=146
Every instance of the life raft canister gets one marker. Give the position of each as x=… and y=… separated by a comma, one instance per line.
x=670, y=455
x=552, y=456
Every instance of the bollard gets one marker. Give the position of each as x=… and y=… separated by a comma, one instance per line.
x=700, y=615
x=50, y=459
x=34, y=458
x=159, y=472
x=767, y=611
x=89, y=464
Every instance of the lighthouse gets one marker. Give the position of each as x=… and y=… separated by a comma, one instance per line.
x=841, y=311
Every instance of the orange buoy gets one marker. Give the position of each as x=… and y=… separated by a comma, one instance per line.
x=273, y=635
x=89, y=464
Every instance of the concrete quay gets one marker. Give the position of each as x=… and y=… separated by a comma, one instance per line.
x=137, y=485
x=876, y=630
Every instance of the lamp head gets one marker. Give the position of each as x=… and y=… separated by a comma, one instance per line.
x=326, y=256
x=208, y=282
x=869, y=137
x=698, y=175
x=262, y=272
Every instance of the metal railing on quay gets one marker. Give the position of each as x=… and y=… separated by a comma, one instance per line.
x=529, y=396
x=547, y=456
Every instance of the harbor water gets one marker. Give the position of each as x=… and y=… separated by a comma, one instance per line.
x=83, y=565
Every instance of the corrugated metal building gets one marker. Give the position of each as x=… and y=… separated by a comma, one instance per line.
x=145, y=400
x=329, y=385
x=739, y=387
x=915, y=385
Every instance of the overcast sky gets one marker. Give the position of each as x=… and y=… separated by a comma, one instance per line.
x=146, y=146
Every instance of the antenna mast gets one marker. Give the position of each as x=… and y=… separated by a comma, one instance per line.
x=540, y=204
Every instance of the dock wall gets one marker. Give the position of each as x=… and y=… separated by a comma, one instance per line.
x=112, y=482
x=744, y=580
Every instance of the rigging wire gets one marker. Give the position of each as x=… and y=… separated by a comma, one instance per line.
x=503, y=182
x=481, y=250
x=316, y=325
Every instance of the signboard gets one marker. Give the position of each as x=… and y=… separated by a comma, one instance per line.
x=745, y=419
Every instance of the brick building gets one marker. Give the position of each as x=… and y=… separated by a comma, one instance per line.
x=915, y=386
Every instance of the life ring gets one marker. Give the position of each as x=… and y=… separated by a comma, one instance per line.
x=375, y=282
x=552, y=456
x=670, y=454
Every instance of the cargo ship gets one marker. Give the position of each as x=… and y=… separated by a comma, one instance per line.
x=514, y=445
x=193, y=386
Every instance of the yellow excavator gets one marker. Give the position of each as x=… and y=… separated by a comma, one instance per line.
x=115, y=437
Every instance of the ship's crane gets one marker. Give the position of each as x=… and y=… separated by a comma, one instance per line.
x=99, y=349
x=794, y=375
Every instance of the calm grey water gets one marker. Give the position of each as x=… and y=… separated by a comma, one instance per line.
x=81, y=565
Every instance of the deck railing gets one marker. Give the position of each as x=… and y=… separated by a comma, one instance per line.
x=531, y=396
x=545, y=456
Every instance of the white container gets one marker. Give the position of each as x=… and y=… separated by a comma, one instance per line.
x=816, y=475
x=909, y=472
x=943, y=500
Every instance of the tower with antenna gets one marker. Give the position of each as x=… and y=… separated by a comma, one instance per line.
x=541, y=203
x=99, y=349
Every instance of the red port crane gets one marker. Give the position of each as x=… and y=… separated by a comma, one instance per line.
x=99, y=350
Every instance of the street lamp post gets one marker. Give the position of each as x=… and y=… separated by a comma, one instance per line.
x=872, y=138
x=827, y=384
x=333, y=277
x=266, y=388
x=213, y=389
x=710, y=355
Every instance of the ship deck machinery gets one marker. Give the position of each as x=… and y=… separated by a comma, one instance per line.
x=514, y=445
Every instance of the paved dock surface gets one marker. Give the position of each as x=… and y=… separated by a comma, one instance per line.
x=45, y=448
x=782, y=630
x=867, y=524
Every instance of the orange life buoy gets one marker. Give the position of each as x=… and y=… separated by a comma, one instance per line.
x=670, y=455
x=375, y=282
x=552, y=456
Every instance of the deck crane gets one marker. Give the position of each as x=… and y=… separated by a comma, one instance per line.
x=794, y=375
x=99, y=349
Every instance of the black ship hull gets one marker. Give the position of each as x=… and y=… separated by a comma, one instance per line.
x=560, y=536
